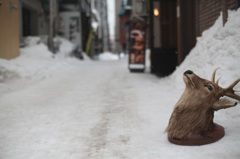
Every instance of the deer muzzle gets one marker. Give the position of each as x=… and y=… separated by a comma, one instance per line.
x=187, y=74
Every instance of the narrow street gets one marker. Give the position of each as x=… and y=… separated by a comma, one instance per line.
x=95, y=110
x=84, y=112
x=66, y=91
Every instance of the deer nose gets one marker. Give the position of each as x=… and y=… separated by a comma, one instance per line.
x=188, y=72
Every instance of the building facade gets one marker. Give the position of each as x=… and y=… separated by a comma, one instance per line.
x=196, y=16
x=9, y=29
x=172, y=26
x=175, y=25
x=71, y=19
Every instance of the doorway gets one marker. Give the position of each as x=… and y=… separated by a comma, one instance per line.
x=29, y=22
x=163, y=37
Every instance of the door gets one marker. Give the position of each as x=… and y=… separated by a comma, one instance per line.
x=164, y=37
x=9, y=29
x=186, y=28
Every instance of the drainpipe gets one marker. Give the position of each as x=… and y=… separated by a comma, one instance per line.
x=224, y=11
x=179, y=32
x=50, y=38
x=80, y=48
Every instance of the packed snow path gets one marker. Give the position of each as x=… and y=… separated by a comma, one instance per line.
x=97, y=110
x=89, y=111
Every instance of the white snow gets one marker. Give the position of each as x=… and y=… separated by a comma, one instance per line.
x=32, y=40
x=61, y=108
x=36, y=61
x=108, y=56
x=65, y=47
x=218, y=47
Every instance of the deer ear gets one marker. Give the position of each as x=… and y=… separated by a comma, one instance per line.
x=223, y=104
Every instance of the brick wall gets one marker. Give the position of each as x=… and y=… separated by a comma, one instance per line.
x=123, y=30
x=209, y=11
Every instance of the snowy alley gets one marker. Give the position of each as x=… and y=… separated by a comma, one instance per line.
x=59, y=107
x=105, y=112
x=75, y=114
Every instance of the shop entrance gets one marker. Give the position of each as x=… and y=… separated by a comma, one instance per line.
x=163, y=37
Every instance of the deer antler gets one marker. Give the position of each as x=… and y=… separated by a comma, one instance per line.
x=213, y=75
x=218, y=80
x=230, y=92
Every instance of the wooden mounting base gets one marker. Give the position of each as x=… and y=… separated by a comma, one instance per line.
x=207, y=138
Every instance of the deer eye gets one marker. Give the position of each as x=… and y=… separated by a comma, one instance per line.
x=209, y=87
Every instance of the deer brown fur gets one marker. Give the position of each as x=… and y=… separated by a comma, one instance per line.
x=194, y=112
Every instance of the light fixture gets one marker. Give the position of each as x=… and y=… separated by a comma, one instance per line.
x=156, y=12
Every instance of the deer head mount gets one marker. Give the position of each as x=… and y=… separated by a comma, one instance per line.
x=194, y=112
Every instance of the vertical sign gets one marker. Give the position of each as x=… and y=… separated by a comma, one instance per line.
x=137, y=45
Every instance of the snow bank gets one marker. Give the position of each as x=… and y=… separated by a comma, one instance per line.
x=38, y=51
x=36, y=61
x=33, y=59
x=65, y=47
x=32, y=40
x=217, y=47
x=108, y=56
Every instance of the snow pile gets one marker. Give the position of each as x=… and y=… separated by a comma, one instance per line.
x=33, y=60
x=65, y=47
x=32, y=40
x=86, y=57
x=38, y=51
x=219, y=46
x=36, y=61
x=108, y=56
